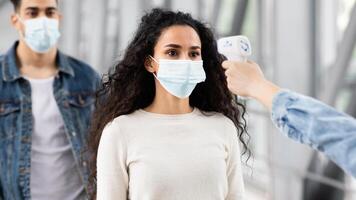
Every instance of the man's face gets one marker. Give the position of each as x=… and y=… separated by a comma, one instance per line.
x=32, y=9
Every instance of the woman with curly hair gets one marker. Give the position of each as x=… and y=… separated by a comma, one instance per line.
x=166, y=126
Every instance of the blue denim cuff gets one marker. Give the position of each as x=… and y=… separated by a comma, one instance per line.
x=280, y=104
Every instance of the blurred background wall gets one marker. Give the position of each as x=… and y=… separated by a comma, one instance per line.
x=303, y=45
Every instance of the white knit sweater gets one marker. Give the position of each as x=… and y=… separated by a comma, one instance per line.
x=147, y=156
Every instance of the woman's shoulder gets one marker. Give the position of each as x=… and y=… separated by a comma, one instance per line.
x=217, y=117
x=121, y=121
x=127, y=118
x=224, y=127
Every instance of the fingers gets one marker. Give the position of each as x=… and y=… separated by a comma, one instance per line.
x=225, y=65
x=251, y=62
x=229, y=73
x=230, y=64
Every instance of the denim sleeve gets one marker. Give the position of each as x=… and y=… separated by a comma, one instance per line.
x=98, y=82
x=318, y=125
x=1, y=193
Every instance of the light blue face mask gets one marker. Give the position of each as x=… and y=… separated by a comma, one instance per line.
x=180, y=77
x=41, y=34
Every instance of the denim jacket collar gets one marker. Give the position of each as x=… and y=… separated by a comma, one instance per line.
x=11, y=71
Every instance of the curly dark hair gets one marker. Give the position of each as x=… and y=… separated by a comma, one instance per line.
x=129, y=86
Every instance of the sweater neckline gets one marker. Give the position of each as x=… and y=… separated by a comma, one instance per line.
x=170, y=116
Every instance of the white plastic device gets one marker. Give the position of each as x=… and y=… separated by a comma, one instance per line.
x=235, y=48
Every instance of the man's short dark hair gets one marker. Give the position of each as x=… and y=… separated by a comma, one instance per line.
x=17, y=3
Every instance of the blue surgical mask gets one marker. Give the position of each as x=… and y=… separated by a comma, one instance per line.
x=41, y=34
x=180, y=77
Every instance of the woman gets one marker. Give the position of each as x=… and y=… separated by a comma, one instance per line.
x=167, y=125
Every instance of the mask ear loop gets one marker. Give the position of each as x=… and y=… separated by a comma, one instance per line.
x=20, y=19
x=154, y=73
x=153, y=59
x=23, y=23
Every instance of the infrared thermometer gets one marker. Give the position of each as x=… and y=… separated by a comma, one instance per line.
x=235, y=48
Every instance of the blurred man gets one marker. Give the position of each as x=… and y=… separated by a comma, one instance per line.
x=301, y=118
x=46, y=99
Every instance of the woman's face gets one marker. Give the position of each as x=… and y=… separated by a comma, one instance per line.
x=178, y=42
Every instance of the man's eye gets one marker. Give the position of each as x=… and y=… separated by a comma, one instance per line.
x=51, y=13
x=32, y=14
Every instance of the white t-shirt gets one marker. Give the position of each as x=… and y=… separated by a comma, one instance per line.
x=54, y=174
x=147, y=156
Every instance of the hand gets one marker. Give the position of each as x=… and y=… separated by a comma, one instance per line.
x=243, y=77
x=246, y=79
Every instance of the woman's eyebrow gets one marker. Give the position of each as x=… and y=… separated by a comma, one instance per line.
x=195, y=47
x=173, y=45
x=177, y=46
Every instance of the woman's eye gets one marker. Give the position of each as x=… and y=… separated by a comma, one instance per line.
x=194, y=54
x=172, y=53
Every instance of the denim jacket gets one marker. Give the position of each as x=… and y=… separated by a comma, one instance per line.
x=311, y=122
x=74, y=89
